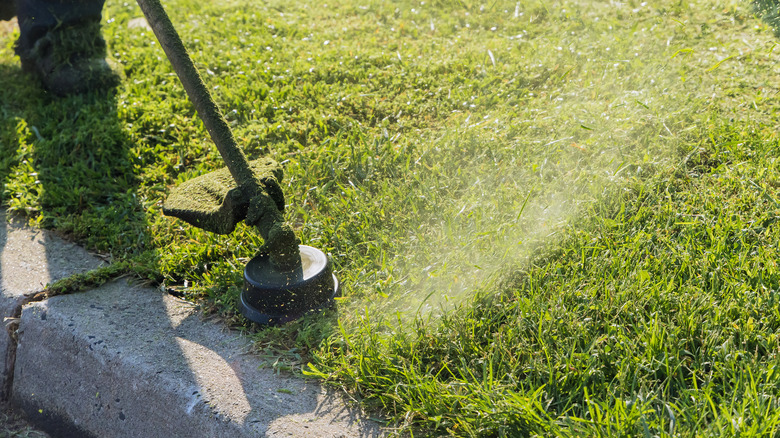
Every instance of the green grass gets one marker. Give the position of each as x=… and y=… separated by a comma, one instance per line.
x=553, y=218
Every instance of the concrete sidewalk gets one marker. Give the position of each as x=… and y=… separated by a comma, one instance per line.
x=129, y=361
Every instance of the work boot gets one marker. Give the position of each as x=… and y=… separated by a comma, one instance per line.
x=7, y=9
x=60, y=42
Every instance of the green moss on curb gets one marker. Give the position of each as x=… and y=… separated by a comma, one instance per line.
x=81, y=282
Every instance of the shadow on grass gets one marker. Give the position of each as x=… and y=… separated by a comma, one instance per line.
x=769, y=12
x=67, y=162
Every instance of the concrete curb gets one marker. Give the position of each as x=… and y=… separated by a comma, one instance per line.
x=124, y=360
x=30, y=259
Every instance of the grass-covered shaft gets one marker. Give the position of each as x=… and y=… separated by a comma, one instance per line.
x=199, y=95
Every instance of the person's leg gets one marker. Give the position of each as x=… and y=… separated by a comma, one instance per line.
x=7, y=9
x=60, y=41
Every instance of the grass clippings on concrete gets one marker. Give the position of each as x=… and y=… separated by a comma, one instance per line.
x=12, y=425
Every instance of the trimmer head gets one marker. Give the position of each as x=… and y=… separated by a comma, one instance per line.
x=279, y=285
x=271, y=296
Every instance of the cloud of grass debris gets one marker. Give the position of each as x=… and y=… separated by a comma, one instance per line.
x=610, y=91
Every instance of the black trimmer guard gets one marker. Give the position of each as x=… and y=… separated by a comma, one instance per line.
x=272, y=297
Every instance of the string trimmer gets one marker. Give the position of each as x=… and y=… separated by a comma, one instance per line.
x=285, y=280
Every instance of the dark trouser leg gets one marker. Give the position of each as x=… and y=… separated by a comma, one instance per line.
x=7, y=9
x=37, y=17
x=60, y=40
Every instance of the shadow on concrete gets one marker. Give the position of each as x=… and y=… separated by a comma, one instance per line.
x=133, y=359
x=26, y=267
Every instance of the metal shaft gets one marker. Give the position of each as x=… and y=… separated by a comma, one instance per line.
x=207, y=109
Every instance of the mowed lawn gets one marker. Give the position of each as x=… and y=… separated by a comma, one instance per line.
x=548, y=218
